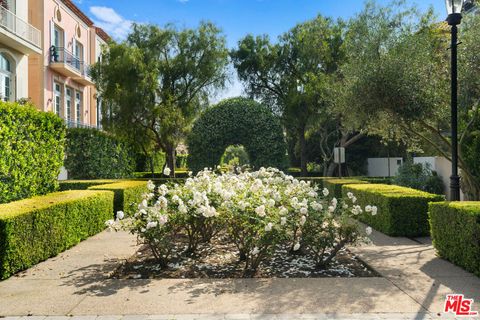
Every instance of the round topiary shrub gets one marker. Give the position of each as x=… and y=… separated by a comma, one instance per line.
x=237, y=121
x=93, y=154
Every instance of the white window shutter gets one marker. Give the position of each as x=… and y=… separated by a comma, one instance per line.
x=52, y=28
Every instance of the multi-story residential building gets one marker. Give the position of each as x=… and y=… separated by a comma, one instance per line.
x=100, y=41
x=59, y=76
x=18, y=39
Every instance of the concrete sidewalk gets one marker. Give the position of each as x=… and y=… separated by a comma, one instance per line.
x=77, y=283
x=413, y=267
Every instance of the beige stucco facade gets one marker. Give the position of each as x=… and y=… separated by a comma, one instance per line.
x=59, y=75
x=18, y=39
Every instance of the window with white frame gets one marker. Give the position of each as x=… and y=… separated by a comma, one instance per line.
x=99, y=112
x=7, y=77
x=78, y=52
x=58, y=42
x=58, y=37
x=68, y=101
x=57, y=101
x=78, y=106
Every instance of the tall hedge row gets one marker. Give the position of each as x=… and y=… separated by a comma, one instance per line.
x=237, y=121
x=93, y=154
x=31, y=151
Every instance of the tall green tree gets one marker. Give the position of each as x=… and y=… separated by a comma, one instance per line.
x=295, y=76
x=157, y=81
x=397, y=80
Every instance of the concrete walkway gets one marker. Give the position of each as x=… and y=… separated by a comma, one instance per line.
x=75, y=283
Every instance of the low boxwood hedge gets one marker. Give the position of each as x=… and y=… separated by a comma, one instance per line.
x=159, y=175
x=455, y=229
x=401, y=211
x=83, y=184
x=376, y=180
x=38, y=228
x=319, y=181
x=334, y=185
x=127, y=194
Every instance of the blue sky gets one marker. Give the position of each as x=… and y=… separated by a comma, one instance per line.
x=235, y=17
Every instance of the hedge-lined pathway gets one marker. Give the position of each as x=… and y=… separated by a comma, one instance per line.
x=76, y=283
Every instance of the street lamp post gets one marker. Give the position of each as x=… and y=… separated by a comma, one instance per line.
x=454, y=9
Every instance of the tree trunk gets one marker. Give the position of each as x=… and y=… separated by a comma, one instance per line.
x=303, y=150
x=152, y=166
x=331, y=169
x=470, y=187
x=170, y=160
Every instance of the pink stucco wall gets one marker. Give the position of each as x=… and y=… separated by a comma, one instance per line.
x=69, y=23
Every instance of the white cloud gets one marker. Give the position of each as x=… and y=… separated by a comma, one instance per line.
x=110, y=21
x=183, y=1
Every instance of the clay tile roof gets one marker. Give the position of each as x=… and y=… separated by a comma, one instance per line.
x=102, y=34
x=78, y=12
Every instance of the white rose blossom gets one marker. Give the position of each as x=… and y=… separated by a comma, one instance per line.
x=152, y=224
x=267, y=197
x=166, y=171
x=269, y=227
x=120, y=215
x=325, y=192
x=303, y=219
x=150, y=185
x=368, y=230
x=260, y=211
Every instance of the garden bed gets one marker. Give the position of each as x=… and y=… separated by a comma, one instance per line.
x=219, y=259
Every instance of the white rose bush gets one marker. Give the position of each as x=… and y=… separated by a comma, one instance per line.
x=256, y=211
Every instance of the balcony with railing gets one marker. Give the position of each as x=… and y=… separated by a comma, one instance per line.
x=19, y=34
x=78, y=124
x=67, y=64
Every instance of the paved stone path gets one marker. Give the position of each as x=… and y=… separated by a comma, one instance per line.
x=311, y=316
x=76, y=285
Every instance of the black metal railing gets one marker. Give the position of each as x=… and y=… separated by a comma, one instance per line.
x=78, y=124
x=61, y=55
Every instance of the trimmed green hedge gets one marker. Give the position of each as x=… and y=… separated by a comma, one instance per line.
x=401, y=211
x=455, y=229
x=36, y=229
x=31, y=151
x=334, y=185
x=127, y=194
x=376, y=180
x=93, y=154
x=144, y=163
x=319, y=181
x=159, y=175
x=84, y=184
x=237, y=121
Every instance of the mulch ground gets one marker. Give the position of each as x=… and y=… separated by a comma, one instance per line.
x=219, y=259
